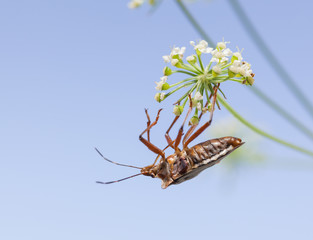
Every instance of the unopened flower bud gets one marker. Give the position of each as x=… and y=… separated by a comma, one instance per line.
x=216, y=70
x=198, y=96
x=165, y=86
x=191, y=59
x=159, y=97
x=178, y=110
x=167, y=71
x=174, y=62
x=194, y=120
x=221, y=45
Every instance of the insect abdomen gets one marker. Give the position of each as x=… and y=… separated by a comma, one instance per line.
x=212, y=151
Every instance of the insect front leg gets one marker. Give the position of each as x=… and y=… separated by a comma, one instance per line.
x=167, y=136
x=146, y=142
x=181, y=129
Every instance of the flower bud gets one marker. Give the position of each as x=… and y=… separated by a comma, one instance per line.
x=191, y=59
x=216, y=70
x=165, y=86
x=194, y=120
x=159, y=97
x=178, y=110
x=221, y=45
x=167, y=71
x=198, y=96
x=174, y=62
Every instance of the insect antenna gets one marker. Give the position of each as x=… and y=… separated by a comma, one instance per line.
x=119, y=179
x=120, y=164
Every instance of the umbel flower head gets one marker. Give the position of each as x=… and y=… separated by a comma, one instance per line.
x=222, y=65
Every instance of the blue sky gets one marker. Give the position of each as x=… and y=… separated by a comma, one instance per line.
x=78, y=74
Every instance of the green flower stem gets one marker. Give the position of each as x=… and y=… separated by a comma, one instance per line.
x=206, y=92
x=185, y=72
x=226, y=66
x=196, y=67
x=200, y=61
x=184, y=103
x=202, y=33
x=290, y=83
x=190, y=68
x=184, y=85
x=187, y=93
x=288, y=116
x=259, y=131
x=208, y=67
x=194, y=22
x=186, y=80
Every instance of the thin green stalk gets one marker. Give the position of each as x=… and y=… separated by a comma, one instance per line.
x=202, y=33
x=194, y=22
x=187, y=93
x=185, y=72
x=277, y=108
x=190, y=68
x=259, y=131
x=184, y=85
x=185, y=80
x=257, y=38
x=200, y=61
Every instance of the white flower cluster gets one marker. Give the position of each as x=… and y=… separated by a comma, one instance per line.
x=224, y=65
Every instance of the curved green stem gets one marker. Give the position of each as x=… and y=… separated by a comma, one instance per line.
x=285, y=77
x=282, y=112
x=259, y=131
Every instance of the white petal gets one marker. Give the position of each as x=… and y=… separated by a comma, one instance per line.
x=227, y=52
x=159, y=85
x=163, y=79
x=166, y=59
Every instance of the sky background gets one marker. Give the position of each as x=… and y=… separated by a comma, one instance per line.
x=78, y=74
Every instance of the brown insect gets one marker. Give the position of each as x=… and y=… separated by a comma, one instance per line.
x=186, y=163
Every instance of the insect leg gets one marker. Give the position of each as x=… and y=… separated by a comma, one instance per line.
x=206, y=125
x=167, y=136
x=152, y=147
x=181, y=130
x=148, y=124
